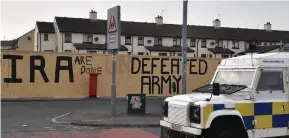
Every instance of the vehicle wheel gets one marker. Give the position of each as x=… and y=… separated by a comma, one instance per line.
x=164, y=133
x=226, y=128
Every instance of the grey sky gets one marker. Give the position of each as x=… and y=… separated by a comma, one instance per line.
x=18, y=17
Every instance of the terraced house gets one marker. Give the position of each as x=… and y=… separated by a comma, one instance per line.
x=88, y=35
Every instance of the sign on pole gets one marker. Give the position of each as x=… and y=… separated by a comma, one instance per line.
x=113, y=28
x=113, y=37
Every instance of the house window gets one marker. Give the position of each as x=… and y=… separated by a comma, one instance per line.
x=91, y=51
x=220, y=43
x=111, y=52
x=265, y=44
x=129, y=53
x=204, y=43
x=217, y=43
x=211, y=56
x=48, y=50
x=140, y=53
x=163, y=54
x=45, y=37
x=193, y=43
x=158, y=41
x=176, y=42
x=235, y=44
x=128, y=40
x=140, y=41
x=203, y=55
x=271, y=80
x=67, y=37
x=87, y=38
x=172, y=53
x=225, y=56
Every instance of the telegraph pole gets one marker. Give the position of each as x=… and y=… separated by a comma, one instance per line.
x=184, y=47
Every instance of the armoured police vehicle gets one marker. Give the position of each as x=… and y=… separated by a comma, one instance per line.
x=248, y=97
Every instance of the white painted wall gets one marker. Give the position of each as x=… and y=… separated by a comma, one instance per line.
x=168, y=41
x=36, y=39
x=50, y=44
x=58, y=37
x=56, y=41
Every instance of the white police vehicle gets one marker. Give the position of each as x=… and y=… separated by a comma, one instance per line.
x=248, y=97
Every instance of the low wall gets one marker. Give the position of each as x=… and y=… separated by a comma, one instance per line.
x=66, y=75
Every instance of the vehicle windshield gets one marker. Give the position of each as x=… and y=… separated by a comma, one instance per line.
x=230, y=82
x=234, y=77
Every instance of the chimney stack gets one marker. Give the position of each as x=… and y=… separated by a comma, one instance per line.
x=217, y=23
x=267, y=26
x=159, y=20
x=93, y=15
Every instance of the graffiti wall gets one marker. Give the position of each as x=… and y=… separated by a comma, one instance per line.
x=66, y=75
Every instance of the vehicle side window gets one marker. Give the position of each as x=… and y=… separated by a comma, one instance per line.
x=270, y=81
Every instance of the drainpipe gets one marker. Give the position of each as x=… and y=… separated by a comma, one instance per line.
x=40, y=42
x=132, y=45
x=198, y=47
x=62, y=42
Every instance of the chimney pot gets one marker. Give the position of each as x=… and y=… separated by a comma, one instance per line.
x=217, y=23
x=93, y=15
x=267, y=26
x=159, y=20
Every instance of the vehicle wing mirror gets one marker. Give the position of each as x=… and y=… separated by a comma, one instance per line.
x=174, y=87
x=216, y=89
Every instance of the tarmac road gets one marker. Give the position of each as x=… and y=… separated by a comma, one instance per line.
x=34, y=119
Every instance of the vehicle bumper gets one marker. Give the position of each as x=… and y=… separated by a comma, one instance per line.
x=184, y=129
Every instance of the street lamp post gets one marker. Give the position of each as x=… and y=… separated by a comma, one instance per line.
x=184, y=47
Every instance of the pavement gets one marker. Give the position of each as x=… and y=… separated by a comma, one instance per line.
x=78, y=118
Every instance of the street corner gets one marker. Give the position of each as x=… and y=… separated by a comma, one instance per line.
x=109, y=133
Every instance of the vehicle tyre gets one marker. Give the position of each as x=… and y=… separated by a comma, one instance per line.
x=227, y=128
x=164, y=132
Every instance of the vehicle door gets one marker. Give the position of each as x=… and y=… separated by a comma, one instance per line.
x=271, y=107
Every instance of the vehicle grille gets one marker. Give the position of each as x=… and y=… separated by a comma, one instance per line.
x=177, y=114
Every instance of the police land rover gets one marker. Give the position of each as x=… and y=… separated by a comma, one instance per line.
x=248, y=97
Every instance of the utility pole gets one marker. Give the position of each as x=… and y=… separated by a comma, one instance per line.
x=184, y=47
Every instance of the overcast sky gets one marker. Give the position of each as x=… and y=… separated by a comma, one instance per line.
x=18, y=17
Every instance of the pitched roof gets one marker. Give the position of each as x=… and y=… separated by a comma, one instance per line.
x=45, y=27
x=81, y=25
x=221, y=50
x=80, y=46
x=167, y=49
x=11, y=43
x=261, y=49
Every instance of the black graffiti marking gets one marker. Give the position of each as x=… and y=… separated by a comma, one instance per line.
x=133, y=59
x=153, y=82
x=175, y=63
x=141, y=65
x=163, y=65
x=40, y=68
x=201, y=63
x=61, y=67
x=153, y=65
x=81, y=60
x=13, y=78
x=144, y=65
x=89, y=70
x=205, y=66
x=145, y=83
